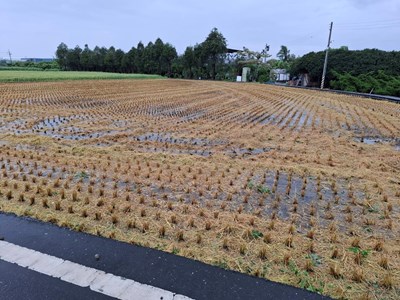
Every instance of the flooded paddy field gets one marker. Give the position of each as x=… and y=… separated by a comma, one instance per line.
x=296, y=186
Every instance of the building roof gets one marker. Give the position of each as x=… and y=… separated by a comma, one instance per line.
x=230, y=50
x=279, y=71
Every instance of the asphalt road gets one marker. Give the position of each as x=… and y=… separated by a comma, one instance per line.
x=17, y=283
x=147, y=266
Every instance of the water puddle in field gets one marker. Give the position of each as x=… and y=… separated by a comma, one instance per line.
x=303, y=118
x=195, y=146
x=280, y=121
x=243, y=152
x=260, y=119
x=369, y=140
x=57, y=127
x=268, y=119
x=191, y=117
x=310, y=119
x=168, y=138
x=294, y=119
x=57, y=121
x=307, y=193
x=120, y=123
x=27, y=147
x=76, y=134
x=200, y=152
x=17, y=125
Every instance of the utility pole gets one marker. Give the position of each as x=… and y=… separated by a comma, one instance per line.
x=326, y=57
x=9, y=54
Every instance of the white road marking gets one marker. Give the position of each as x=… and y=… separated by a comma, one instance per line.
x=96, y=280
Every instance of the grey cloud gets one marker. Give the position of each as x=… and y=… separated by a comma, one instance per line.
x=35, y=28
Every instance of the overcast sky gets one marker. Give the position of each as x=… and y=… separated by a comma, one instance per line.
x=35, y=28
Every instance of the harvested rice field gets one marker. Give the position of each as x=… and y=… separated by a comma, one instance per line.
x=296, y=186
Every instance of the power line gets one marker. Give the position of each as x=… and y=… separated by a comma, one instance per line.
x=304, y=37
x=368, y=22
x=369, y=25
x=366, y=29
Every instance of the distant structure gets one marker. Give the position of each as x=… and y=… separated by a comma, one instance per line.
x=37, y=60
x=245, y=74
x=279, y=75
x=231, y=53
x=302, y=80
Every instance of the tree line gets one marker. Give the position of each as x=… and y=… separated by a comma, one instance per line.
x=353, y=70
x=361, y=70
x=210, y=59
x=157, y=57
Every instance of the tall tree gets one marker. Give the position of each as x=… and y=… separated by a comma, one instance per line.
x=97, y=58
x=214, y=48
x=168, y=55
x=150, y=59
x=74, y=59
x=131, y=60
x=126, y=65
x=157, y=55
x=85, y=59
x=110, y=60
x=61, y=54
x=139, y=58
x=200, y=61
x=119, y=55
x=284, y=53
x=189, y=61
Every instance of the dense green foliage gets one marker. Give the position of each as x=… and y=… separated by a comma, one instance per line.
x=203, y=60
x=361, y=70
x=284, y=54
x=375, y=82
x=29, y=66
x=155, y=58
x=36, y=75
x=206, y=60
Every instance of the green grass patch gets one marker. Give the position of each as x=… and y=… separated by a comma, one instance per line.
x=256, y=234
x=82, y=175
x=262, y=189
x=356, y=250
x=28, y=75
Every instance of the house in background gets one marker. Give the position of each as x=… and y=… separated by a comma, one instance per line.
x=37, y=59
x=279, y=75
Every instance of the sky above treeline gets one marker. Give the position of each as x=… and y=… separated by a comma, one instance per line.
x=35, y=28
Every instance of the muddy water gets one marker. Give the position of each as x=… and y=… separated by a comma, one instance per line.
x=302, y=120
x=243, y=152
x=168, y=138
x=369, y=140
